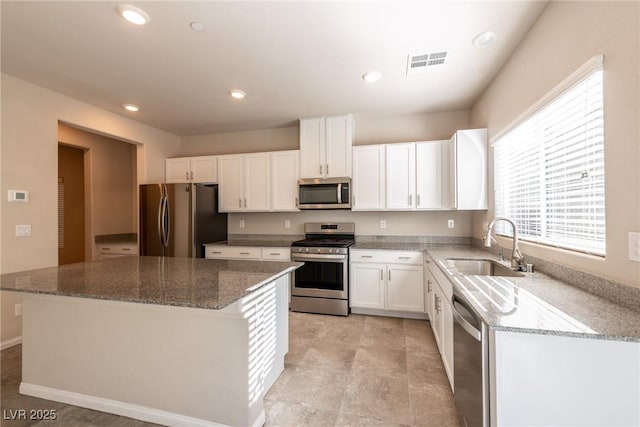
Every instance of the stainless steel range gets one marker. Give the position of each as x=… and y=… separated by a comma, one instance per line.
x=322, y=284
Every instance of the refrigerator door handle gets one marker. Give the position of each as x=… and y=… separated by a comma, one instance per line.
x=161, y=216
x=167, y=222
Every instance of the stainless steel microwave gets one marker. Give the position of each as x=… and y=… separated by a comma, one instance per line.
x=328, y=193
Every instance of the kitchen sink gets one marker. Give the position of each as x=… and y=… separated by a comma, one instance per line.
x=481, y=267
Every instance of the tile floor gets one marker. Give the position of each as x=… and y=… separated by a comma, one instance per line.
x=353, y=371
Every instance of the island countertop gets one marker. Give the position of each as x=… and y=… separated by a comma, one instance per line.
x=186, y=282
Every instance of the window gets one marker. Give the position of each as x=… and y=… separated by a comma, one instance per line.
x=549, y=167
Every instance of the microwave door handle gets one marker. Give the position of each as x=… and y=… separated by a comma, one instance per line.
x=340, y=193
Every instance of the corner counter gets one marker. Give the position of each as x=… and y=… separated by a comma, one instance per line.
x=174, y=341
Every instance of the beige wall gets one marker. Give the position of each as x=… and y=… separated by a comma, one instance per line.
x=367, y=223
x=30, y=116
x=113, y=186
x=563, y=38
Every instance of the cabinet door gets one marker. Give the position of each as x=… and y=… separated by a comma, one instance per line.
x=400, y=176
x=366, y=285
x=338, y=142
x=204, y=169
x=257, y=182
x=471, y=169
x=177, y=170
x=429, y=299
x=312, y=149
x=405, y=288
x=230, y=177
x=285, y=171
x=429, y=179
x=436, y=322
x=446, y=339
x=368, y=178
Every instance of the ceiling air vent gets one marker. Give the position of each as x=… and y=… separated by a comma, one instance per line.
x=425, y=62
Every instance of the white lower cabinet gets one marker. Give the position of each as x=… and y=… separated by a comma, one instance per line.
x=388, y=282
x=439, y=293
x=251, y=253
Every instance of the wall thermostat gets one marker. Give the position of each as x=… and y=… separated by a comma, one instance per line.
x=18, y=196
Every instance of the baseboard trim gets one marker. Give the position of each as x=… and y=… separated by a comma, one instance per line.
x=129, y=410
x=389, y=313
x=11, y=342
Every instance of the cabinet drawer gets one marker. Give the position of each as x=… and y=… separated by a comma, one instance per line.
x=276, y=254
x=118, y=249
x=232, y=252
x=384, y=256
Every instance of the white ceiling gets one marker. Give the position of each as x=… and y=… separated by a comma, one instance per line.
x=294, y=59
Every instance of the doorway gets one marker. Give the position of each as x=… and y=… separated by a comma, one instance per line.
x=71, y=205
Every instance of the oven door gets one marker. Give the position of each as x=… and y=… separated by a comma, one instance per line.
x=324, y=276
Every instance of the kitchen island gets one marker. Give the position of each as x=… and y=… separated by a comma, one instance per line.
x=176, y=341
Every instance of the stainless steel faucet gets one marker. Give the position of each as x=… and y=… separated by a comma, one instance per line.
x=517, y=260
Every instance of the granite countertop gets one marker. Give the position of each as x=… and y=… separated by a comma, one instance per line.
x=537, y=303
x=392, y=246
x=186, y=282
x=254, y=243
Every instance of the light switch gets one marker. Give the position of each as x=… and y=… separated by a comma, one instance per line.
x=23, y=230
x=634, y=246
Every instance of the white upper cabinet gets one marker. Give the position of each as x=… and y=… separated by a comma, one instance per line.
x=285, y=171
x=259, y=182
x=192, y=169
x=231, y=191
x=431, y=177
x=467, y=163
x=401, y=176
x=368, y=178
x=325, y=146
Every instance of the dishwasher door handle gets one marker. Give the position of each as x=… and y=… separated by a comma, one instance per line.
x=464, y=323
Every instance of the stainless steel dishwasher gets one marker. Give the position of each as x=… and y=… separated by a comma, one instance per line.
x=470, y=364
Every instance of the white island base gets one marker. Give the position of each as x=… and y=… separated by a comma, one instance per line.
x=163, y=364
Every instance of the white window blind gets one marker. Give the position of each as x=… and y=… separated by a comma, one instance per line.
x=549, y=170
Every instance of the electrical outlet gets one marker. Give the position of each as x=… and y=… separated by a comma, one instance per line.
x=18, y=309
x=450, y=223
x=383, y=223
x=287, y=223
x=242, y=223
x=634, y=246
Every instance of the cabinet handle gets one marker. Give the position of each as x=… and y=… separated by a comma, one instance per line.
x=389, y=275
x=245, y=253
x=320, y=169
x=239, y=203
x=216, y=252
x=410, y=199
x=404, y=257
x=327, y=168
x=438, y=304
x=274, y=253
x=245, y=203
x=381, y=275
x=354, y=200
x=366, y=256
x=191, y=175
x=186, y=175
x=106, y=249
x=428, y=286
x=418, y=200
x=126, y=249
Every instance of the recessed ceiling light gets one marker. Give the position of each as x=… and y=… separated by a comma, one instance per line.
x=237, y=93
x=197, y=26
x=131, y=107
x=484, y=39
x=133, y=14
x=371, y=76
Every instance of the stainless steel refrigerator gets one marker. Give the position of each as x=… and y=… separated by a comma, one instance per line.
x=177, y=219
